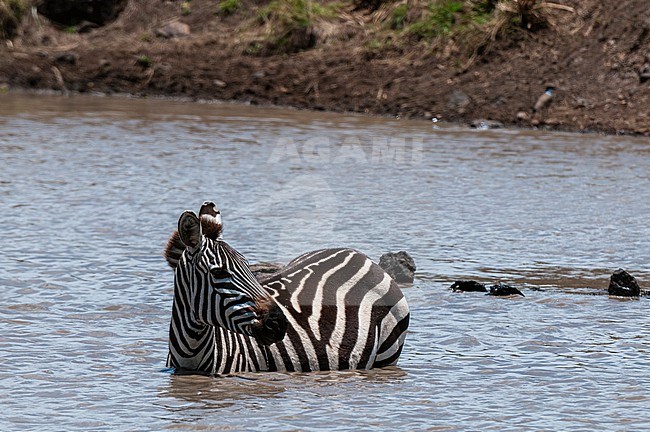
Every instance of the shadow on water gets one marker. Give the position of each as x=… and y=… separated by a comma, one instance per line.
x=205, y=392
x=216, y=392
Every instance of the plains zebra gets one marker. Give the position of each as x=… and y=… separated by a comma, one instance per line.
x=326, y=310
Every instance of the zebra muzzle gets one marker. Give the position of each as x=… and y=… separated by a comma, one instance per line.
x=272, y=328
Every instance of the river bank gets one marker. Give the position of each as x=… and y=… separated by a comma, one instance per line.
x=346, y=59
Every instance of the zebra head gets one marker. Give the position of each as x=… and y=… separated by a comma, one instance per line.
x=220, y=288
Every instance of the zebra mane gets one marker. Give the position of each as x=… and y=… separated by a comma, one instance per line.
x=211, y=228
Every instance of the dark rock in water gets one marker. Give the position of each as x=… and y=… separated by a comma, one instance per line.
x=623, y=284
x=265, y=269
x=74, y=12
x=504, y=290
x=468, y=286
x=400, y=266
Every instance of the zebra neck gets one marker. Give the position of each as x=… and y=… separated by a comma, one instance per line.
x=212, y=350
x=235, y=353
x=191, y=346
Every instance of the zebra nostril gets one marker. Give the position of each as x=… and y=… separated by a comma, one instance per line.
x=209, y=208
x=273, y=328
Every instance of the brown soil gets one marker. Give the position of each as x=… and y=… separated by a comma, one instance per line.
x=594, y=56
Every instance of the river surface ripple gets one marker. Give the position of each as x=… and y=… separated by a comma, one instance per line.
x=91, y=188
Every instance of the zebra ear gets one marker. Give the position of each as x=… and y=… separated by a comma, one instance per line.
x=189, y=228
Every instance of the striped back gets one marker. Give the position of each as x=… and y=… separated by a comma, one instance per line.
x=344, y=312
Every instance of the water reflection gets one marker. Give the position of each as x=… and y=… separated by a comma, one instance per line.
x=210, y=392
x=201, y=398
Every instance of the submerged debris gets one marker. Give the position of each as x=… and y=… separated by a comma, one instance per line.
x=623, y=284
x=468, y=286
x=504, y=290
x=495, y=290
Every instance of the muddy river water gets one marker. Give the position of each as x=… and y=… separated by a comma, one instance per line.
x=91, y=188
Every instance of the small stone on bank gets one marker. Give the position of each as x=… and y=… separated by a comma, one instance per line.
x=523, y=116
x=67, y=57
x=483, y=124
x=173, y=29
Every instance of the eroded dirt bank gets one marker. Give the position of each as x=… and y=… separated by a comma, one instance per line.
x=355, y=61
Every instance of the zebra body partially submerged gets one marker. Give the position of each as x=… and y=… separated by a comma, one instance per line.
x=326, y=310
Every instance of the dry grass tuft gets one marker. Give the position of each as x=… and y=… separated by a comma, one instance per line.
x=289, y=24
x=510, y=15
x=526, y=14
x=11, y=11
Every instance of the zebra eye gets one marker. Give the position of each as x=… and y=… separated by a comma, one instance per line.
x=220, y=273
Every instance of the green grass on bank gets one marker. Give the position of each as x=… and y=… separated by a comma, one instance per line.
x=228, y=7
x=289, y=24
x=296, y=13
x=286, y=21
x=427, y=20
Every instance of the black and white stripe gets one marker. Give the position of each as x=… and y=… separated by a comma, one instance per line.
x=344, y=312
x=340, y=311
